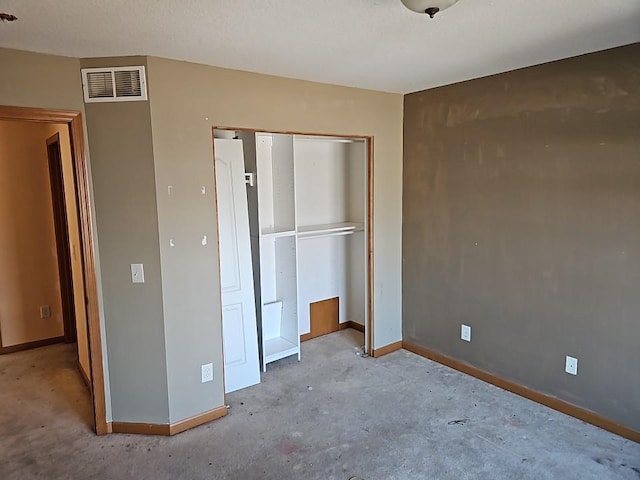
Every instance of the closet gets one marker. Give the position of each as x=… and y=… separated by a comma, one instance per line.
x=307, y=209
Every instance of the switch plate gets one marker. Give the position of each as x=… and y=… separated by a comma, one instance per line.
x=465, y=333
x=571, y=365
x=137, y=273
x=45, y=311
x=207, y=372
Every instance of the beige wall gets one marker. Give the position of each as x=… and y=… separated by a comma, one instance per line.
x=42, y=81
x=122, y=160
x=47, y=81
x=28, y=261
x=186, y=101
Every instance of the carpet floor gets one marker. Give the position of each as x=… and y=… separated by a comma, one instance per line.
x=334, y=415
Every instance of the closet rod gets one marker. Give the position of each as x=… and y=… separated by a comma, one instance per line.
x=319, y=235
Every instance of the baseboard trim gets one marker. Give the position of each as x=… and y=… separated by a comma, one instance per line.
x=29, y=345
x=552, y=402
x=198, y=420
x=84, y=376
x=168, y=429
x=306, y=337
x=392, y=347
x=341, y=326
x=352, y=324
x=141, y=428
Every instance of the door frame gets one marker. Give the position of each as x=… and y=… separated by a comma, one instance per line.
x=61, y=229
x=369, y=321
x=74, y=122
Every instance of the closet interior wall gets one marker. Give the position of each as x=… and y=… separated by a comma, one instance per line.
x=330, y=191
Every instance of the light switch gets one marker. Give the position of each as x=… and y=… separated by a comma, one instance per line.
x=137, y=273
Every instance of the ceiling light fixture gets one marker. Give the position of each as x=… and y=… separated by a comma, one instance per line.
x=430, y=7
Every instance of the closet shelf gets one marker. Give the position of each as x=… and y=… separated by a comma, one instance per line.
x=277, y=348
x=342, y=228
x=275, y=232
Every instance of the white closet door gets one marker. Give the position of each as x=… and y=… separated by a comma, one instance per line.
x=240, y=336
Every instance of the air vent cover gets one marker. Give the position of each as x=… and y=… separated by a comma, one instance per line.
x=114, y=84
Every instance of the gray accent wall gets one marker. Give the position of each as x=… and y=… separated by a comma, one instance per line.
x=521, y=218
x=121, y=146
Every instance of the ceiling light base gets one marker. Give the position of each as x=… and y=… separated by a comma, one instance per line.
x=432, y=11
x=428, y=7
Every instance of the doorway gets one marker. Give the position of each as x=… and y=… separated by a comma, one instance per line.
x=73, y=312
x=309, y=200
x=80, y=288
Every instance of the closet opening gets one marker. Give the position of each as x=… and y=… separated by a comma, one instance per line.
x=294, y=223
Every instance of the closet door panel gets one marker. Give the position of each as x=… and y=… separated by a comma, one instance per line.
x=240, y=337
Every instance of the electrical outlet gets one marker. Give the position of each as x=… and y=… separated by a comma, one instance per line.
x=465, y=333
x=45, y=311
x=571, y=365
x=207, y=372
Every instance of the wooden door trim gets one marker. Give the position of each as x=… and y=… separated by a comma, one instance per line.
x=73, y=119
x=61, y=228
x=369, y=227
x=293, y=132
x=369, y=220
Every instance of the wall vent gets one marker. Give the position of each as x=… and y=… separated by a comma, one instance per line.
x=114, y=84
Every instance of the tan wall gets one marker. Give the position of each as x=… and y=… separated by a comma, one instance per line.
x=48, y=81
x=126, y=215
x=43, y=81
x=28, y=261
x=186, y=101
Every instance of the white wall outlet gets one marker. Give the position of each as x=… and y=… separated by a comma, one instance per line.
x=45, y=311
x=207, y=372
x=465, y=333
x=137, y=273
x=571, y=365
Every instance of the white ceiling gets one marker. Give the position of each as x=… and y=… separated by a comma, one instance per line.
x=375, y=44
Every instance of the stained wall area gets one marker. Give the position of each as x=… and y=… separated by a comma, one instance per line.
x=521, y=218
